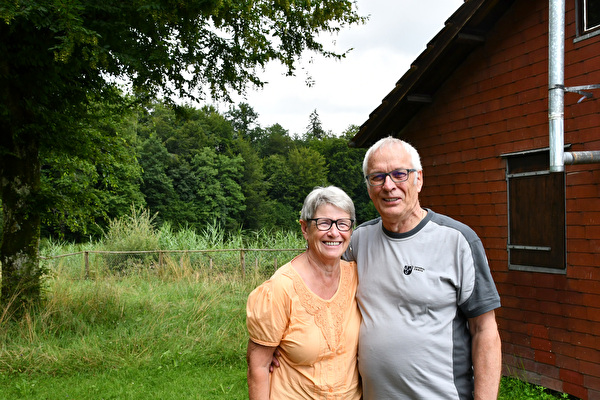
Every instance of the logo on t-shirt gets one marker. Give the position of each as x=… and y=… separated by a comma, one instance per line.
x=408, y=269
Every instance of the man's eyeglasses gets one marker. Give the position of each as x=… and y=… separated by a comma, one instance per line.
x=397, y=175
x=325, y=224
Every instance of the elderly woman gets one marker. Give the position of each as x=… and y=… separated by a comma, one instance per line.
x=307, y=310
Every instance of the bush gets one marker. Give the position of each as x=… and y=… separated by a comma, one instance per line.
x=134, y=232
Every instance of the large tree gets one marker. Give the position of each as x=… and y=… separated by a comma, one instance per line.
x=86, y=189
x=56, y=56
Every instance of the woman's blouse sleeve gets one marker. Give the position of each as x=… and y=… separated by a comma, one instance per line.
x=267, y=314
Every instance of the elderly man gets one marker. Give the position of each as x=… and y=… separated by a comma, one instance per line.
x=425, y=292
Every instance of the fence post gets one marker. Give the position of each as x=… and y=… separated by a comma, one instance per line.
x=86, y=261
x=160, y=259
x=275, y=263
x=243, y=262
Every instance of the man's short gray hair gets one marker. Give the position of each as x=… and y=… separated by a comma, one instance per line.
x=326, y=195
x=390, y=141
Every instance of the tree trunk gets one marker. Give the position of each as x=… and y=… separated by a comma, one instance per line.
x=19, y=250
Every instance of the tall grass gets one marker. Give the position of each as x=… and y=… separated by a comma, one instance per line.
x=137, y=232
x=131, y=326
x=177, y=331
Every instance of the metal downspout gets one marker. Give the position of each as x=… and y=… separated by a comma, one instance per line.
x=556, y=85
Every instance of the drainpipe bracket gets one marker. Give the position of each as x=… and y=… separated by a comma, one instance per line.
x=580, y=90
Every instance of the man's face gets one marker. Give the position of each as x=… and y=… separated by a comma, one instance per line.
x=394, y=201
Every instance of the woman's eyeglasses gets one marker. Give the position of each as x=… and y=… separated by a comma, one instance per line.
x=325, y=224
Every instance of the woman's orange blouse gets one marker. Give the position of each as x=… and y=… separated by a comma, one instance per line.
x=318, y=339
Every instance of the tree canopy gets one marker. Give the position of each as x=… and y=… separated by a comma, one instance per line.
x=59, y=58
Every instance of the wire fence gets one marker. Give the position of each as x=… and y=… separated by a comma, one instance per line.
x=93, y=263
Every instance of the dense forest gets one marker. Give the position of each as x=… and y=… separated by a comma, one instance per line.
x=192, y=167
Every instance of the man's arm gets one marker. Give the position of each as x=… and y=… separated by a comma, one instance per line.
x=259, y=360
x=487, y=355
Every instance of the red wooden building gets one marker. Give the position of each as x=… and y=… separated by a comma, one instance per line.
x=475, y=104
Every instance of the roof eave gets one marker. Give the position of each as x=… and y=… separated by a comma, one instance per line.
x=463, y=32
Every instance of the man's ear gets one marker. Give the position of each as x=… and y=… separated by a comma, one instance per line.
x=419, y=181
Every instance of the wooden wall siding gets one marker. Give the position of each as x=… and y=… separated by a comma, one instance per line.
x=496, y=103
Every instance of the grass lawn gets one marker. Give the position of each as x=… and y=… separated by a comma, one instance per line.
x=185, y=382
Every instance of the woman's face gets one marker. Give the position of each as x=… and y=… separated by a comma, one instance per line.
x=326, y=245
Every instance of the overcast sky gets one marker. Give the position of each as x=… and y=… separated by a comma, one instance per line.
x=346, y=91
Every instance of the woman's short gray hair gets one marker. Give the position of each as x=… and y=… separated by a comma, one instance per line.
x=326, y=195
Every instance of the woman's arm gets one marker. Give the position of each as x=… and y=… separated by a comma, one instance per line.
x=259, y=360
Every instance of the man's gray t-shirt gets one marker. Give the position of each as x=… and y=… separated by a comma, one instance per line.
x=416, y=291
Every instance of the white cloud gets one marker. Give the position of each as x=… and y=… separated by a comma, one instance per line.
x=345, y=92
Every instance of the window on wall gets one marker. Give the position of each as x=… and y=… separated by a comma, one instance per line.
x=588, y=16
x=536, y=213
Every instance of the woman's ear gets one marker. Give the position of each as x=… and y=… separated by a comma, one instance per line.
x=304, y=228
